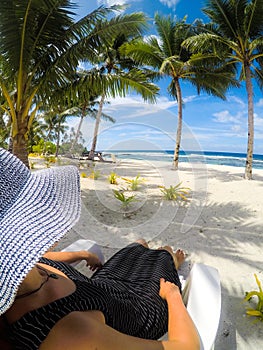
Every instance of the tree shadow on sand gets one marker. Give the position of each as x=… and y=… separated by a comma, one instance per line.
x=222, y=238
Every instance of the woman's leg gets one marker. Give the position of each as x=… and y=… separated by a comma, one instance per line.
x=178, y=256
x=142, y=242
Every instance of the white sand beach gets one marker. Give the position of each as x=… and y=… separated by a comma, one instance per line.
x=221, y=225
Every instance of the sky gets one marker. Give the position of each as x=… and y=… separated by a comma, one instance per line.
x=209, y=123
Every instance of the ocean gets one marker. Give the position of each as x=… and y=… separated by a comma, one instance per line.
x=219, y=158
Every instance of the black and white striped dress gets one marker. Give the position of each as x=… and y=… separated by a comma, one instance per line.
x=126, y=290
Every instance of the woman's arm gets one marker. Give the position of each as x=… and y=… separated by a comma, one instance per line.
x=180, y=325
x=82, y=330
x=70, y=257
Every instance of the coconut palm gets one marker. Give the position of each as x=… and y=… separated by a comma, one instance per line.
x=35, y=134
x=236, y=35
x=55, y=123
x=169, y=59
x=116, y=67
x=40, y=47
x=87, y=109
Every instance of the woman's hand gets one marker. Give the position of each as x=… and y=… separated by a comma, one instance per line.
x=168, y=289
x=93, y=261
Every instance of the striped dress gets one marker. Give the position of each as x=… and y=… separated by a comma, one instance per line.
x=126, y=290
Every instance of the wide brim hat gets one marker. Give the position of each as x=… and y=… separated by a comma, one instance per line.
x=36, y=210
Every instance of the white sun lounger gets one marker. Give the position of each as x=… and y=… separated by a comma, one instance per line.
x=201, y=295
x=85, y=244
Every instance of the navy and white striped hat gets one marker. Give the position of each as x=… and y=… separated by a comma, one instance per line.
x=36, y=210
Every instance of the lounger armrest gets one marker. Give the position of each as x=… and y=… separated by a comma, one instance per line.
x=85, y=244
x=202, y=297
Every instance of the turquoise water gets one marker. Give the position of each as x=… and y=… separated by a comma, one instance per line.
x=219, y=158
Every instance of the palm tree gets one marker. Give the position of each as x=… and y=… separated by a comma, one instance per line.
x=166, y=55
x=118, y=68
x=86, y=107
x=236, y=35
x=35, y=134
x=40, y=47
x=54, y=123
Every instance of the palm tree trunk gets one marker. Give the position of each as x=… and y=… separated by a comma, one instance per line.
x=46, y=139
x=250, y=141
x=77, y=133
x=179, y=126
x=19, y=139
x=96, y=129
x=57, y=144
x=10, y=141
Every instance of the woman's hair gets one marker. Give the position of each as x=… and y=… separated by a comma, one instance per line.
x=5, y=342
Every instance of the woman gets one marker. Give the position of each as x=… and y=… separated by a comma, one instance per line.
x=47, y=304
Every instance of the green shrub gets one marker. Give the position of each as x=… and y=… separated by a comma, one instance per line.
x=32, y=165
x=258, y=310
x=175, y=192
x=112, y=178
x=134, y=183
x=83, y=175
x=125, y=200
x=95, y=174
x=49, y=160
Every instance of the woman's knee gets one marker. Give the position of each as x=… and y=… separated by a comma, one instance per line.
x=143, y=242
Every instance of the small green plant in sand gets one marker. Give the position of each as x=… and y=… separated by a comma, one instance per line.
x=175, y=192
x=112, y=178
x=95, y=174
x=47, y=163
x=49, y=160
x=32, y=165
x=125, y=200
x=134, y=183
x=258, y=310
x=83, y=175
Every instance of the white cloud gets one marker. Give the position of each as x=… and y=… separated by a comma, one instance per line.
x=226, y=117
x=236, y=128
x=170, y=3
x=237, y=100
x=260, y=103
x=136, y=107
x=162, y=102
x=258, y=122
x=111, y=2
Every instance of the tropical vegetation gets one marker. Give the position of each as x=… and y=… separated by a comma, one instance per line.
x=235, y=36
x=257, y=310
x=40, y=49
x=169, y=58
x=112, y=63
x=125, y=200
x=175, y=192
x=134, y=183
x=42, y=46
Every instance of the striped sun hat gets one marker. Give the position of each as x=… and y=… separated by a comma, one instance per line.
x=36, y=210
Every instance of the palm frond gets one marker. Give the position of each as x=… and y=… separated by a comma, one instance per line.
x=132, y=81
x=144, y=53
x=165, y=27
x=172, y=66
x=253, y=19
x=223, y=13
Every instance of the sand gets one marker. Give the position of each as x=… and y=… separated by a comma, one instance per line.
x=220, y=225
